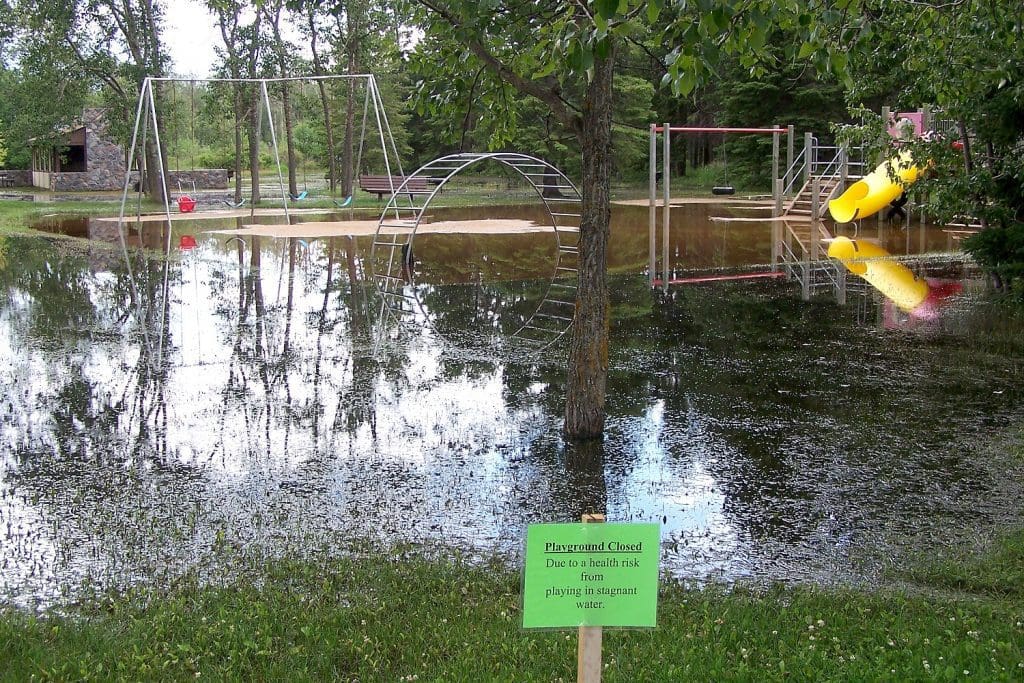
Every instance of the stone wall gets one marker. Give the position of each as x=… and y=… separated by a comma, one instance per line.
x=18, y=178
x=105, y=162
x=205, y=178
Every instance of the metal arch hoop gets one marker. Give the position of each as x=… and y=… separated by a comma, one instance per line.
x=401, y=217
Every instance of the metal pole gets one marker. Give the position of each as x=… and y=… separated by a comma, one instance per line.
x=790, y=144
x=277, y=154
x=652, y=212
x=167, y=214
x=808, y=155
x=775, y=155
x=128, y=172
x=666, y=188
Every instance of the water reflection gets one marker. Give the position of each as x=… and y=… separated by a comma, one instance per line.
x=245, y=397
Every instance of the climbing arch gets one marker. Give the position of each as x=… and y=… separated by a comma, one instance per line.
x=407, y=210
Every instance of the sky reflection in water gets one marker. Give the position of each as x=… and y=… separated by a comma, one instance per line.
x=273, y=411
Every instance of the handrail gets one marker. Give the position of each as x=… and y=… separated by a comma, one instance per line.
x=794, y=171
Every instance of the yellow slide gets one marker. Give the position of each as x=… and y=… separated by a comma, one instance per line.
x=873, y=263
x=911, y=294
x=874, y=191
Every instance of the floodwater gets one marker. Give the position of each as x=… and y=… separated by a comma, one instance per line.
x=247, y=398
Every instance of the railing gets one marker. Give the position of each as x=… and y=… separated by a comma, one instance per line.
x=818, y=160
x=794, y=174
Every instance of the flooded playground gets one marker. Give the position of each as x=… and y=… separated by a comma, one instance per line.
x=246, y=398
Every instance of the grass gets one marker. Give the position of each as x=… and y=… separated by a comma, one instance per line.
x=16, y=216
x=399, y=616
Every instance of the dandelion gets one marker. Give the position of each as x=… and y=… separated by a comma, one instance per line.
x=966, y=672
x=821, y=622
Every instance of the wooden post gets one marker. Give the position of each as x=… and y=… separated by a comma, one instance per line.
x=815, y=211
x=588, y=654
x=777, y=197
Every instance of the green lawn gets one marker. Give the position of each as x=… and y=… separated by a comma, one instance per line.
x=398, y=616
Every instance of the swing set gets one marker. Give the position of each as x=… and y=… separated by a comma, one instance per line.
x=148, y=123
x=666, y=130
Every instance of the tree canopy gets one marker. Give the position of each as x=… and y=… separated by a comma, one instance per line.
x=573, y=81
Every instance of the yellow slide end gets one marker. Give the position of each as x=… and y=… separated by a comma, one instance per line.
x=875, y=191
x=873, y=263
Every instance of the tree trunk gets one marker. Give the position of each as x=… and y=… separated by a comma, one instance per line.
x=325, y=103
x=254, y=144
x=353, y=45
x=286, y=105
x=588, y=347
x=239, y=110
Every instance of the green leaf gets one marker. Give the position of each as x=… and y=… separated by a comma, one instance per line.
x=606, y=9
x=806, y=50
x=653, y=10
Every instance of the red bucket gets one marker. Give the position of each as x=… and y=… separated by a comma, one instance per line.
x=186, y=204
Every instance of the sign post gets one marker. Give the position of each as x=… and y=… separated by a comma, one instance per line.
x=591, y=575
x=588, y=652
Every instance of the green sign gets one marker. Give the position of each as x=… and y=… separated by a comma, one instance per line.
x=591, y=575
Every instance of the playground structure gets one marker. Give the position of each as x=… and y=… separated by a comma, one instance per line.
x=147, y=122
x=391, y=255
x=666, y=130
x=818, y=182
x=408, y=200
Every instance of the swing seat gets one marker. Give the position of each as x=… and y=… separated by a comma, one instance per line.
x=723, y=189
x=344, y=203
x=233, y=205
x=299, y=197
x=186, y=204
x=187, y=242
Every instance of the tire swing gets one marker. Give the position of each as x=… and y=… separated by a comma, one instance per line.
x=726, y=189
x=392, y=261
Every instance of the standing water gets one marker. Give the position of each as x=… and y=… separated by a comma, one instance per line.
x=245, y=398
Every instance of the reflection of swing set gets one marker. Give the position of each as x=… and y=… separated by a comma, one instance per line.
x=147, y=123
x=665, y=176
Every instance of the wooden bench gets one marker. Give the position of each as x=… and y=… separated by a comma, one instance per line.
x=382, y=185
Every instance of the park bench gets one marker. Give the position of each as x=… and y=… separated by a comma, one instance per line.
x=382, y=185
